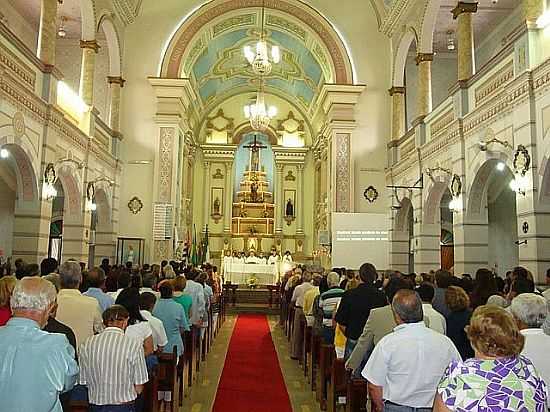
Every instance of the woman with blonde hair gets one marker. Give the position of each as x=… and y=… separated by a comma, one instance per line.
x=7, y=284
x=498, y=378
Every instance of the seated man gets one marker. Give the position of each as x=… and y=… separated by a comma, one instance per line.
x=35, y=366
x=406, y=366
x=113, y=365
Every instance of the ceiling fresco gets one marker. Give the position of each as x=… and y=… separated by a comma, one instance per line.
x=217, y=67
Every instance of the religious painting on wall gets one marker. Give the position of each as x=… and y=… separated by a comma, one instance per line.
x=289, y=205
x=216, y=199
x=129, y=250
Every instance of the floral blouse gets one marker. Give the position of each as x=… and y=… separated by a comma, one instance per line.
x=503, y=385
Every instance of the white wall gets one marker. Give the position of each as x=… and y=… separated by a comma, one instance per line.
x=7, y=209
x=18, y=25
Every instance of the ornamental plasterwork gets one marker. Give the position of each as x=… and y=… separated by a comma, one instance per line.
x=232, y=22
x=165, y=163
x=277, y=21
x=18, y=123
x=343, y=176
x=127, y=10
x=17, y=67
x=494, y=83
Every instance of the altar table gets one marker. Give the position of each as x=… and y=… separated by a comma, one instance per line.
x=240, y=273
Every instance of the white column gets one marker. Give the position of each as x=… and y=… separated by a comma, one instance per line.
x=116, y=83
x=228, y=213
x=279, y=199
x=300, y=200
x=206, y=199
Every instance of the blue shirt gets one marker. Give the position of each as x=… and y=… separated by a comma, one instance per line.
x=35, y=367
x=173, y=318
x=105, y=301
x=198, y=309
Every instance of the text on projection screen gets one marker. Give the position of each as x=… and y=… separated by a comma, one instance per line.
x=356, y=241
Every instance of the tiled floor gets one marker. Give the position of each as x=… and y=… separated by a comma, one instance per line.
x=203, y=392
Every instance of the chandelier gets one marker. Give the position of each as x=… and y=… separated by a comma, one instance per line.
x=258, y=113
x=260, y=60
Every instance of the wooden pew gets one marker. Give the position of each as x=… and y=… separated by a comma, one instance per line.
x=79, y=406
x=168, y=377
x=337, y=385
x=150, y=392
x=326, y=357
x=306, y=347
x=314, y=359
x=189, y=356
x=290, y=321
x=357, y=394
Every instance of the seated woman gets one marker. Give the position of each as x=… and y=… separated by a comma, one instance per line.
x=138, y=327
x=498, y=378
x=185, y=300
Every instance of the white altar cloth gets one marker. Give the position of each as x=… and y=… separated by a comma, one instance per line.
x=239, y=273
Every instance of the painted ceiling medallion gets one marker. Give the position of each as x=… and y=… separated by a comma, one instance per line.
x=18, y=123
x=456, y=186
x=135, y=205
x=371, y=194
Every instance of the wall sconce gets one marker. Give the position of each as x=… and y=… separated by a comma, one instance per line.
x=483, y=146
x=4, y=153
x=522, y=162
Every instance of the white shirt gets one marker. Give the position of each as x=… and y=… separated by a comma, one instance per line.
x=287, y=258
x=254, y=259
x=272, y=260
x=139, y=331
x=159, y=333
x=409, y=363
x=436, y=320
x=154, y=292
x=536, y=350
x=299, y=292
x=114, y=295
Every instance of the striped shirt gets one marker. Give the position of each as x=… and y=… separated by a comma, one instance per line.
x=328, y=302
x=111, y=363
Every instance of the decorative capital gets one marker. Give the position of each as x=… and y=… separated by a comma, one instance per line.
x=396, y=90
x=116, y=80
x=424, y=57
x=464, y=7
x=90, y=44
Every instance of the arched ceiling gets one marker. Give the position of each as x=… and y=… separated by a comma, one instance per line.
x=217, y=67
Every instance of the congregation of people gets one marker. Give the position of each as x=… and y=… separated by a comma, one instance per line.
x=68, y=334
x=422, y=342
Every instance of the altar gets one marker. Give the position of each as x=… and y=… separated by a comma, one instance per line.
x=241, y=273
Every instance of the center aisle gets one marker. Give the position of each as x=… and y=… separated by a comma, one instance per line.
x=251, y=380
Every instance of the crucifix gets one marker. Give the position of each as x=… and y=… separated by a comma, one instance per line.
x=255, y=148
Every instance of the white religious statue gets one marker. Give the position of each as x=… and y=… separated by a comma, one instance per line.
x=130, y=255
x=273, y=258
x=253, y=259
x=287, y=258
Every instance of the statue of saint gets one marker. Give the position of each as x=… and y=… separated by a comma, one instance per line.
x=289, y=211
x=217, y=206
x=254, y=192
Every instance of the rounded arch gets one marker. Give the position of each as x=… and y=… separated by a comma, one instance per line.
x=428, y=26
x=113, y=44
x=103, y=202
x=432, y=205
x=403, y=215
x=25, y=172
x=245, y=129
x=71, y=187
x=181, y=39
x=88, y=16
x=477, y=195
x=400, y=59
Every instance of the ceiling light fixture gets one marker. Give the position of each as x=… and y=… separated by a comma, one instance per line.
x=260, y=59
x=501, y=166
x=61, y=32
x=450, y=41
x=258, y=113
x=4, y=154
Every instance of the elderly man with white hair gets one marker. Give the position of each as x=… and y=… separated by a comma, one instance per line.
x=530, y=311
x=35, y=366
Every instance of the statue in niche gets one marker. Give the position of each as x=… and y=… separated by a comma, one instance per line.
x=254, y=192
x=289, y=211
x=217, y=206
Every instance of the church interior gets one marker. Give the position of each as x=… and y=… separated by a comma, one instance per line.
x=268, y=144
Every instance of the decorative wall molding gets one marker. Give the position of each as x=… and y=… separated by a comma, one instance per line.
x=494, y=83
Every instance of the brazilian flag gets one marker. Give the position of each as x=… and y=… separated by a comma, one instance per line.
x=194, y=254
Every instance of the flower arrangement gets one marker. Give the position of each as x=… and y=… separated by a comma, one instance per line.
x=252, y=282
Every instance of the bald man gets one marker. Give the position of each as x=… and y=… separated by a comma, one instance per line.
x=35, y=366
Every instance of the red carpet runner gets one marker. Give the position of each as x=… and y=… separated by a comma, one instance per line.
x=252, y=380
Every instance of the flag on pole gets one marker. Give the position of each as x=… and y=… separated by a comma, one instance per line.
x=194, y=255
x=206, y=249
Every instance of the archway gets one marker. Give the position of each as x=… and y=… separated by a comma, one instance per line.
x=492, y=207
x=402, y=237
x=447, y=233
x=103, y=237
x=55, y=246
x=438, y=222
